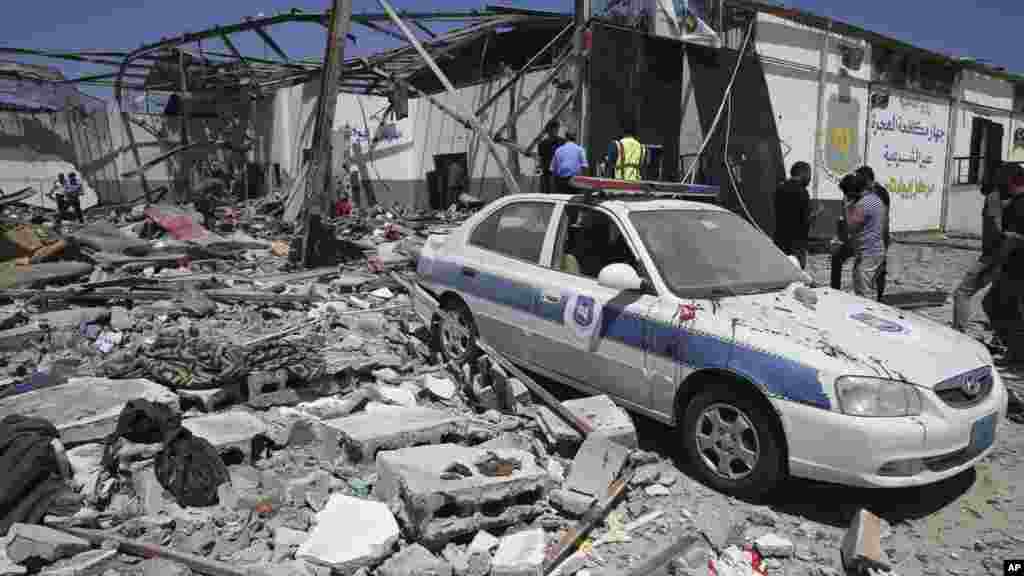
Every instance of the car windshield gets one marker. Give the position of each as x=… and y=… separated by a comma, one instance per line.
x=702, y=253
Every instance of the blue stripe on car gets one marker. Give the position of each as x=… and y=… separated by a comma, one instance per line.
x=781, y=376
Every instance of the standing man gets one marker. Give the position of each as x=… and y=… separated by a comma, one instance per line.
x=840, y=247
x=570, y=160
x=793, y=213
x=74, y=196
x=1007, y=294
x=980, y=274
x=626, y=156
x=864, y=220
x=546, y=151
x=870, y=183
x=59, y=195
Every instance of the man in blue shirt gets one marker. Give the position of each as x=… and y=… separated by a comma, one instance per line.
x=569, y=160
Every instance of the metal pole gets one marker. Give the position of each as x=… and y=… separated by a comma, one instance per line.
x=538, y=91
x=951, y=134
x=819, y=132
x=186, y=165
x=582, y=15
x=337, y=33
x=492, y=147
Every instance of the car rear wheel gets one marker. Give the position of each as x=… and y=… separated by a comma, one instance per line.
x=455, y=332
x=732, y=443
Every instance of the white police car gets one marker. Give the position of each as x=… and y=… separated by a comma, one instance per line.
x=684, y=312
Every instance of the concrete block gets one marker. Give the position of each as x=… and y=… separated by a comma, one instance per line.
x=84, y=564
x=85, y=410
x=205, y=399
x=415, y=560
x=438, y=507
x=398, y=395
x=350, y=533
x=442, y=388
x=484, y=541
x=774, y=546
x=571, y=503
x=163, y=567
x=287, y=537
x=364, y=434
x=597, y=464
x=31, y=542
x=608, y=419
x=862, y=544
x=520, y=554
x=234, y=430
x=313, y=489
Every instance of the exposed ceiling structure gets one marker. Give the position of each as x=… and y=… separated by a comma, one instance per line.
x=477, y=50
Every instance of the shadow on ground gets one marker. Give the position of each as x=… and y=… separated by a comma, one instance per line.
x=829, y=504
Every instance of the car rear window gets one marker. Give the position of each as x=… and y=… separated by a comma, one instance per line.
x=516, y=230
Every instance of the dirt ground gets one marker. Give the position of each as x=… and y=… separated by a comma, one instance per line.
x=966, y=525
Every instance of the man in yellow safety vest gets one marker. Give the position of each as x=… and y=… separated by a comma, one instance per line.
x=626, y=156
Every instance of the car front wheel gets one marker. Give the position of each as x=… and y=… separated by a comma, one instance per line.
x=732, y=443
x=455, y=332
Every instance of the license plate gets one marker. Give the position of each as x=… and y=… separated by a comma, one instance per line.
x=983, y=433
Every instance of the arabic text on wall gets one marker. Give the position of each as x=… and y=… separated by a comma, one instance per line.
x=909, y=189
x=895, y=122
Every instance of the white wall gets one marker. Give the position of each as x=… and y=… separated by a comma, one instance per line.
x=791, y=57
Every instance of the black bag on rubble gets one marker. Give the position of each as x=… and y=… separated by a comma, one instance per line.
x=27, y=461
x=190, y=468
x=142, y=422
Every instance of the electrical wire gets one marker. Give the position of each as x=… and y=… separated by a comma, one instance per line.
x=690, y=172
x=728, y=167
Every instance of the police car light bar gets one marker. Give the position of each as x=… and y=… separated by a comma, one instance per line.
x=611, y=187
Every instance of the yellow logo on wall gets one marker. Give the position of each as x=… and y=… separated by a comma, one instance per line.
x=840, y=140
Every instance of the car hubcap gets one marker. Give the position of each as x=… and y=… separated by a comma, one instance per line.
x=455, y=334
x=727, y=441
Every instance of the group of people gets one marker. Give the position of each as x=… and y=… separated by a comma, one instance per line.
x=67, y=193
x=561, y=158
x=863, y=234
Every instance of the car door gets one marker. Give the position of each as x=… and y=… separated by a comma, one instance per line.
x=497, y=270
x=588, y=333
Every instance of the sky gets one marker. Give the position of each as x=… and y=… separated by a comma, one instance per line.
x=986, y=31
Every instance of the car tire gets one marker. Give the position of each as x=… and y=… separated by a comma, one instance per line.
x=466, y=350
x=756, y=431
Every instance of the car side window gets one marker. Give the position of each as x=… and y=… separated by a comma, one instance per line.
x=516, y=230
x=588, y=240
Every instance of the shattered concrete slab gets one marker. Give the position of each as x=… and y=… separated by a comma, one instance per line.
x=520, y=554
x=607, y=418
x=350, y=534
x=29, y=541
x=364, y=434
x=450, y=490
x=86, y=563
x=415, y=560
x=226, y=431
x=597, y=464
x=85, y=410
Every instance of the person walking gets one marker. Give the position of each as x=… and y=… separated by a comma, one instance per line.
x=626, y=156
x=864, y=221
x=870, y=183
x=1006, y=308
x=997, y=196
x=570, y=160
x=793, y=213
x=546, y=150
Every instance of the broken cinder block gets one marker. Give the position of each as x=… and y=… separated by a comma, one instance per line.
x=364, y=434
x=520, y=554
x=449, y=490
x=607, y=418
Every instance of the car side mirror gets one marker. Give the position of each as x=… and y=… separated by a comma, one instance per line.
x=620, y=277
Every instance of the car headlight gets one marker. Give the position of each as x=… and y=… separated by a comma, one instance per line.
x=877, y=397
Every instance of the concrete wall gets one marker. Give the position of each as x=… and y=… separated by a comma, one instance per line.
x=791, y=56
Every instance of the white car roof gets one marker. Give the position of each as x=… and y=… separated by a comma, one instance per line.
x=625, y=206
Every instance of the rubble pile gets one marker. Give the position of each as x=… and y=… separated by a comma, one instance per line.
x=203, y=406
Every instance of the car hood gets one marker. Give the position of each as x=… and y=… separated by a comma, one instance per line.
x=844, y=333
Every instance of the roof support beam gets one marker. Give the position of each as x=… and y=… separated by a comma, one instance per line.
x=510, y=181
x=273, y=45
